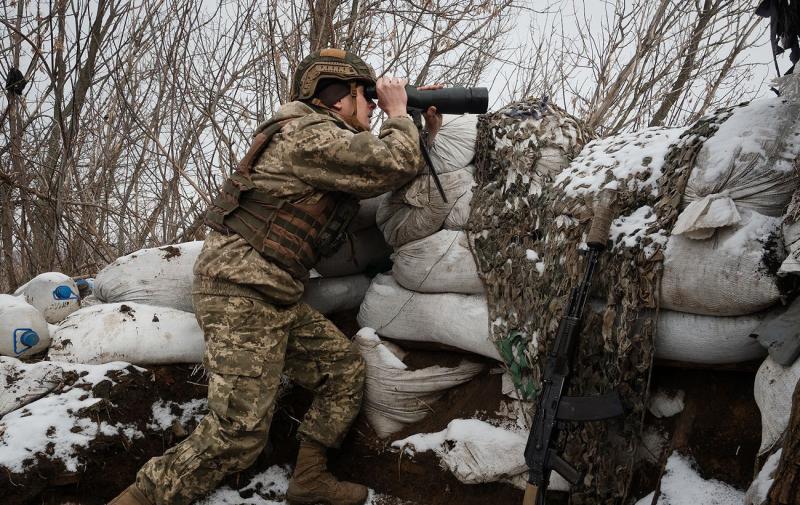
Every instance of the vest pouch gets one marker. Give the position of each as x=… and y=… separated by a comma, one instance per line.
x=227, y=200
x=333, y=233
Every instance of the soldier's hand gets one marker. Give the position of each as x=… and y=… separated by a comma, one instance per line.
x=433, y=122
x=392, y=98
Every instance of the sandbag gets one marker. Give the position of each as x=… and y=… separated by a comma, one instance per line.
x=773, y=389
x=453, y=146
x=54, y=294
x=132, y=332
x=695, y=338
x=160, y=276
x=440, y=263
x=363, y=250
x=455, y=320
x=394, y=396
x=336, y=294
x=417, y=209
x=23, y=329
x=727, y=274
x=24, y=383
x=461, y=321
x=747, y=164
x=476, y=452
x=459, y=214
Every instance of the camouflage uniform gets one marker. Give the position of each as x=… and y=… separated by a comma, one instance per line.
x=248, y=308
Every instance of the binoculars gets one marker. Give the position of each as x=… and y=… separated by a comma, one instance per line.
x=456, y=100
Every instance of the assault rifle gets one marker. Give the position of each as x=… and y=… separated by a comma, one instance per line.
x=553, y=407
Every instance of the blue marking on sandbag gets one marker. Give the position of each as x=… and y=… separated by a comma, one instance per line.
x=24, y=339
x=65, y=293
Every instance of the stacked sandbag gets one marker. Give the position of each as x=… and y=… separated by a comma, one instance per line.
x=159, y=276
x=723, y=257
x=435, y=293
x=395, y=396
x=133, y=332
x=23, y=329
x=163, y=276
x=417, y=210
x=54, y=294
x=450, y=320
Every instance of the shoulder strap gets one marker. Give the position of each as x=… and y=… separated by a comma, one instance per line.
x=260, y=142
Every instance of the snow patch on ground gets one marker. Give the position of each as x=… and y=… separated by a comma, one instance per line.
x=268, y=488
x=50, y=427
x=665, y=404
x=163, y=417
x=682, y=485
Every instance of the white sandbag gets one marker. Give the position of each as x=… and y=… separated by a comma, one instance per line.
x=363, y=249
x=417, y=210
x=394, y=396
x=453, y=146
x=133, y=332
x=747, y=163
x=455, y=320
x=694, y=338
x=160, y=276
x=24, y=383
x=440, y=263
x=54, y=294
x=459, y=214
x=773, y=389
x=335, y=294
x=476, y=452
x=23, y=330
x=725, y=275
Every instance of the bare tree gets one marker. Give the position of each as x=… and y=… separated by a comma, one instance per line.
x=137, y=110
x=642, y=63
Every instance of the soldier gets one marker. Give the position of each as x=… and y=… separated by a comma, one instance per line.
x=288, y=202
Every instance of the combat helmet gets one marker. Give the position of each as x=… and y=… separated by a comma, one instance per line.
x=330, y=63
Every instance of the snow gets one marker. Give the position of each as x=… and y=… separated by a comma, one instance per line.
x=741, y=135
x=634, y=159
x=163, y=418
x=531, y=255
x=682, y=485
x=757, y=493
x=266, y=488
x=631, y=230
x=50, y=427
x=664, y=404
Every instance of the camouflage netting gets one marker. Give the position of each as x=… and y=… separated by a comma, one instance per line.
x=527, y=225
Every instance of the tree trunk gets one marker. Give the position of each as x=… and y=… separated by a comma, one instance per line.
x=688, y=65
x=785, y=489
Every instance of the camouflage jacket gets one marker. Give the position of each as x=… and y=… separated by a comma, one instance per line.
x=314, y=153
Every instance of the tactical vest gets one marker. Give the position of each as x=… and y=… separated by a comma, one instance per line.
x=291, y=234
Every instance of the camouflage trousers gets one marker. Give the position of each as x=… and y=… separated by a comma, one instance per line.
x=249, y=344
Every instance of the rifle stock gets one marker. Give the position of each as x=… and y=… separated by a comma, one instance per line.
x=531, y=495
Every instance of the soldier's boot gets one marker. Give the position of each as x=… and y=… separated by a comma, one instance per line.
x=312, y=483
x=131, y=496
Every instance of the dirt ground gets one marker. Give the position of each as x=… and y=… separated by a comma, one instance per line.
x=723, y=440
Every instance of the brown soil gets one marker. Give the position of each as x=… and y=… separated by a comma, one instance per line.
x=724, y=439
x=171, y=252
